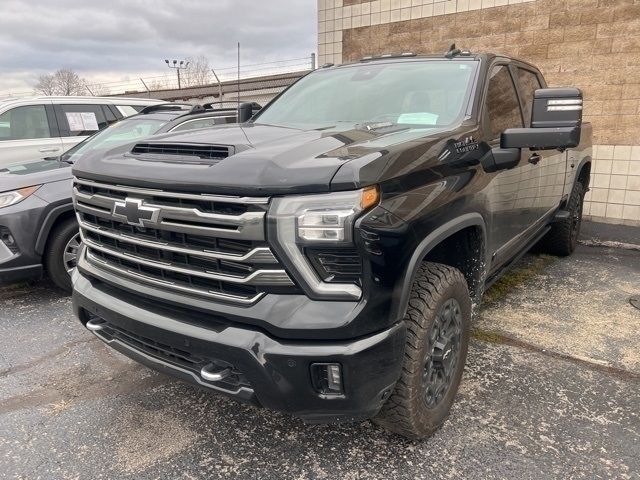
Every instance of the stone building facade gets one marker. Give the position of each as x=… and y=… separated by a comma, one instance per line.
x=591, y=44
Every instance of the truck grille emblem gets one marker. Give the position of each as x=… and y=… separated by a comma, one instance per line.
x=132, y=211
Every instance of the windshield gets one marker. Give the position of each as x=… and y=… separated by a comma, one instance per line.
x=414, y=93
x=125, y=131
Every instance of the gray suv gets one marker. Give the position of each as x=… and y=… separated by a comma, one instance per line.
x=38, y=228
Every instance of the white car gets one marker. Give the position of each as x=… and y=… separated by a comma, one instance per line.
x=37, y=127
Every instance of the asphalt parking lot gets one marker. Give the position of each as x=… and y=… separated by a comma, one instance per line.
x=551, y=390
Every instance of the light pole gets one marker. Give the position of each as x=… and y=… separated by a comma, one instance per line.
x=177, y=66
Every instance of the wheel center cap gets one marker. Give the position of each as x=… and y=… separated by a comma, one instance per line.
x=442, y=354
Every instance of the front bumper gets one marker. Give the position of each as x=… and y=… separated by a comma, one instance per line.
x=266, y=371
x=22, y=221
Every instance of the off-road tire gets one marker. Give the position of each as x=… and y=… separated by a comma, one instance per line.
x=54, y=263
x=406, y=411
x=561, y=240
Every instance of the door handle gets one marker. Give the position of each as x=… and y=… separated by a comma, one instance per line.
x=535, y=159
x=48, y=150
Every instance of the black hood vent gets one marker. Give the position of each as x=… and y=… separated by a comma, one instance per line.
x=185, y=150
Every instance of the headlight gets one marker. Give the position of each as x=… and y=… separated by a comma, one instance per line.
x=16, y=196
x=318, y=220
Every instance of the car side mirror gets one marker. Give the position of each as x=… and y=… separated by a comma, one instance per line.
x=556, y=121
x=498, y=159
x=245, y=112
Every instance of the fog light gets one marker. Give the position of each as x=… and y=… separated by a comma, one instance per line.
x=8, y=240
x=327, y=378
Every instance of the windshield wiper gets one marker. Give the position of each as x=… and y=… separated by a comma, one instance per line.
x=373, y=125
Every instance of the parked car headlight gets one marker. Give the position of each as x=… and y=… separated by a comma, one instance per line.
x=16, y=196
x=327, y=220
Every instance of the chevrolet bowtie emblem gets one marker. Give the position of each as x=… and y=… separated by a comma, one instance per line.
x=132, y=211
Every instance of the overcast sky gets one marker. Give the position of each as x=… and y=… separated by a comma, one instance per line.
x=112, y=40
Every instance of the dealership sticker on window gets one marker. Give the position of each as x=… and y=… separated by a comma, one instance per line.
x=82, y=121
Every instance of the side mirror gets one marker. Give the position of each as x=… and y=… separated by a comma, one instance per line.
x=245, y=112
x=500, y=159
x=556, y=121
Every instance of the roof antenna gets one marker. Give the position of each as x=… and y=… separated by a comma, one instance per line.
x=453, y=51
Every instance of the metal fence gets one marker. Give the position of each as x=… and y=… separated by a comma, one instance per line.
x=258, y=82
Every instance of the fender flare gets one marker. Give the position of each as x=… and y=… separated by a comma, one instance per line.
x=426, y=245
x=581, y=166
x=47, y=224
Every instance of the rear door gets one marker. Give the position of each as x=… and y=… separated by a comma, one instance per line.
x=552, y=164
x=78, y=121
x=513, y=192
x=28, y=132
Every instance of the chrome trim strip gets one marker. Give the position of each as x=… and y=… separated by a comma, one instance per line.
x=257, y=255
x=214, y=376
x=259, y=277
x=176, y=213
x=162, y=193
x=243, y=232
x=171, y=366
x=172, y=285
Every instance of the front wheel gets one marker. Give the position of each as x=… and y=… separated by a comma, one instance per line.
x=438, y=321
x=62, y=253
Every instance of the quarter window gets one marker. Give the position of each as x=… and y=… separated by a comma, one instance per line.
x=24, y=123
x=503, y=108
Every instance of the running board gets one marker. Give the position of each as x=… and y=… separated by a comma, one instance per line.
x=561, y=216
x=491, y=280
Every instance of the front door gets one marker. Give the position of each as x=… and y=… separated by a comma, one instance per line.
x=513, y=193
x=28, y=133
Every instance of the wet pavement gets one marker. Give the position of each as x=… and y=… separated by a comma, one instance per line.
x=551, y=390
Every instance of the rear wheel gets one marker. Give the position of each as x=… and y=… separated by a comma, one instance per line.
x=62, y=253
x=563, y=236
x=438, y=320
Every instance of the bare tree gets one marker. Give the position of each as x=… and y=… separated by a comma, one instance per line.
x=46, y=85
x=162, y=84
x=64, y=82
x=98, y=90
x=198, y=72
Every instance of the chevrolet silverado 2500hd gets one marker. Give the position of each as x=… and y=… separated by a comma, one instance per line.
x=322, y=258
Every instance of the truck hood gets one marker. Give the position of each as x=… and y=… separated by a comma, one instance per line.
x=20, y=175
x=268, y=160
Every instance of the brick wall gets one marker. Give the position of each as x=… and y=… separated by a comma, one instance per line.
x=591, y=44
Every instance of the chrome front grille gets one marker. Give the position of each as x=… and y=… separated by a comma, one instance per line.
x=203, y=245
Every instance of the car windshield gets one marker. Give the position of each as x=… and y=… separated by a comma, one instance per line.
x=422, y=94
x=125, y=131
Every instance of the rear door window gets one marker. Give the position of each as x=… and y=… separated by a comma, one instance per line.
x=24, y=123
x=529, y=83
x=503, y=107
x=80, y=120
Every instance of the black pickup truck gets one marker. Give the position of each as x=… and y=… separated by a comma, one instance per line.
x=325, y=257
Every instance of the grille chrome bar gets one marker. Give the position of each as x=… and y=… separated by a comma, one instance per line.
x=212, y=246
x=185, y=196
x=248, y=225
x=257, y=255
x=259, y=277
x=249, y=300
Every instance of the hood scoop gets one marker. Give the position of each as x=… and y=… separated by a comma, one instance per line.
x=181, y=152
